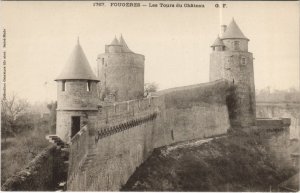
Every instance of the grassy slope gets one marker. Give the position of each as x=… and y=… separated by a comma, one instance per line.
x=17, y=152
x=233, y=163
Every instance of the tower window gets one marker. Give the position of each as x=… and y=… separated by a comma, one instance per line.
x=243, y=61
x=236, y=45
x=88, y=86
x=63, y=88
x=102, y=61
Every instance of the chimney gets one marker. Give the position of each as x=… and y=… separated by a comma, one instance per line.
x=223, y=29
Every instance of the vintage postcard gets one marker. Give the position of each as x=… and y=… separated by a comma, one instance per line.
x=150, y=96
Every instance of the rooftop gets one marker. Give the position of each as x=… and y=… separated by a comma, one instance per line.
x=121, y=42
x=233, y=31
x=218, y=42
x=77, y=67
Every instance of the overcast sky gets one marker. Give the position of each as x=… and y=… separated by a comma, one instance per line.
x=175, y=41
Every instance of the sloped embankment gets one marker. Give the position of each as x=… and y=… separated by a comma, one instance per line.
x=231, y=163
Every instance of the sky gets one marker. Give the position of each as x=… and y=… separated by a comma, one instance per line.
x=175, y=41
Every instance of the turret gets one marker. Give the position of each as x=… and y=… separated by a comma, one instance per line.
x=234, y=39
x=218, y=45
x=114, y=46
x=77, y=97
x=121, y=72
x=231, y=60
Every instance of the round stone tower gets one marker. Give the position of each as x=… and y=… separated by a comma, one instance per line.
x=231, y=60
x=77, y=96
x=121, y=72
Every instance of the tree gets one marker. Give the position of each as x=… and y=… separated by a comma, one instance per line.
x=10, y=110
x=52, y=122
x=149, y=88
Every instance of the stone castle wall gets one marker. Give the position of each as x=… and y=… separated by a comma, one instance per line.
x=237, y=67
x=76, y=100
x=122, y=74
x=191, y=112
x=125, y=134
x=76, y=96
x=229, y=44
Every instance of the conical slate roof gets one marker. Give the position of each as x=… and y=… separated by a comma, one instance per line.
x=124, y=45
x=218, y=42
x=115, y=42
x=233, y=31
x=77, y=67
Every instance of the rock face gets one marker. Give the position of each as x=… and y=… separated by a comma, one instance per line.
x=231, y=163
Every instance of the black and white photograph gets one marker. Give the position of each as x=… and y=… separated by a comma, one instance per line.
x=155, y=96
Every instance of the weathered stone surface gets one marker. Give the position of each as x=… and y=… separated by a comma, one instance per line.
x=130, y=131
x=121, y=74
x=235, y=64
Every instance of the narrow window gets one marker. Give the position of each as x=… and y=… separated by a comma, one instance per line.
x=172, y=135
x=102, y=61
x=236, y=45
x=243, y=61
x=88, y=86
x=63, y=88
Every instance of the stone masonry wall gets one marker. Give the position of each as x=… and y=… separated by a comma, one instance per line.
x=125, y=134
x=120, y=141
x=237, y=67
x=127, y=67
x=191, y=112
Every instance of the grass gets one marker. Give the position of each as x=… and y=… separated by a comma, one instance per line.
x=18, y=151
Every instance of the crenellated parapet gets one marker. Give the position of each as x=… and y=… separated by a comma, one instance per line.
x=110, y=122
x=108, y=130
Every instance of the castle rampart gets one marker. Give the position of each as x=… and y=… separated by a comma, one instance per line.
x=126, y=133
x=115, y=138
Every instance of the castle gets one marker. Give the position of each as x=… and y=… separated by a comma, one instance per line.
x=109, y=129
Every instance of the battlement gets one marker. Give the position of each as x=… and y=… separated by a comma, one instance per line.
x=107, y=130
x=108, y=123
x=125, y=110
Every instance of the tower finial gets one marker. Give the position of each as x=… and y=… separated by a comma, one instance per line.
x=78, y=40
